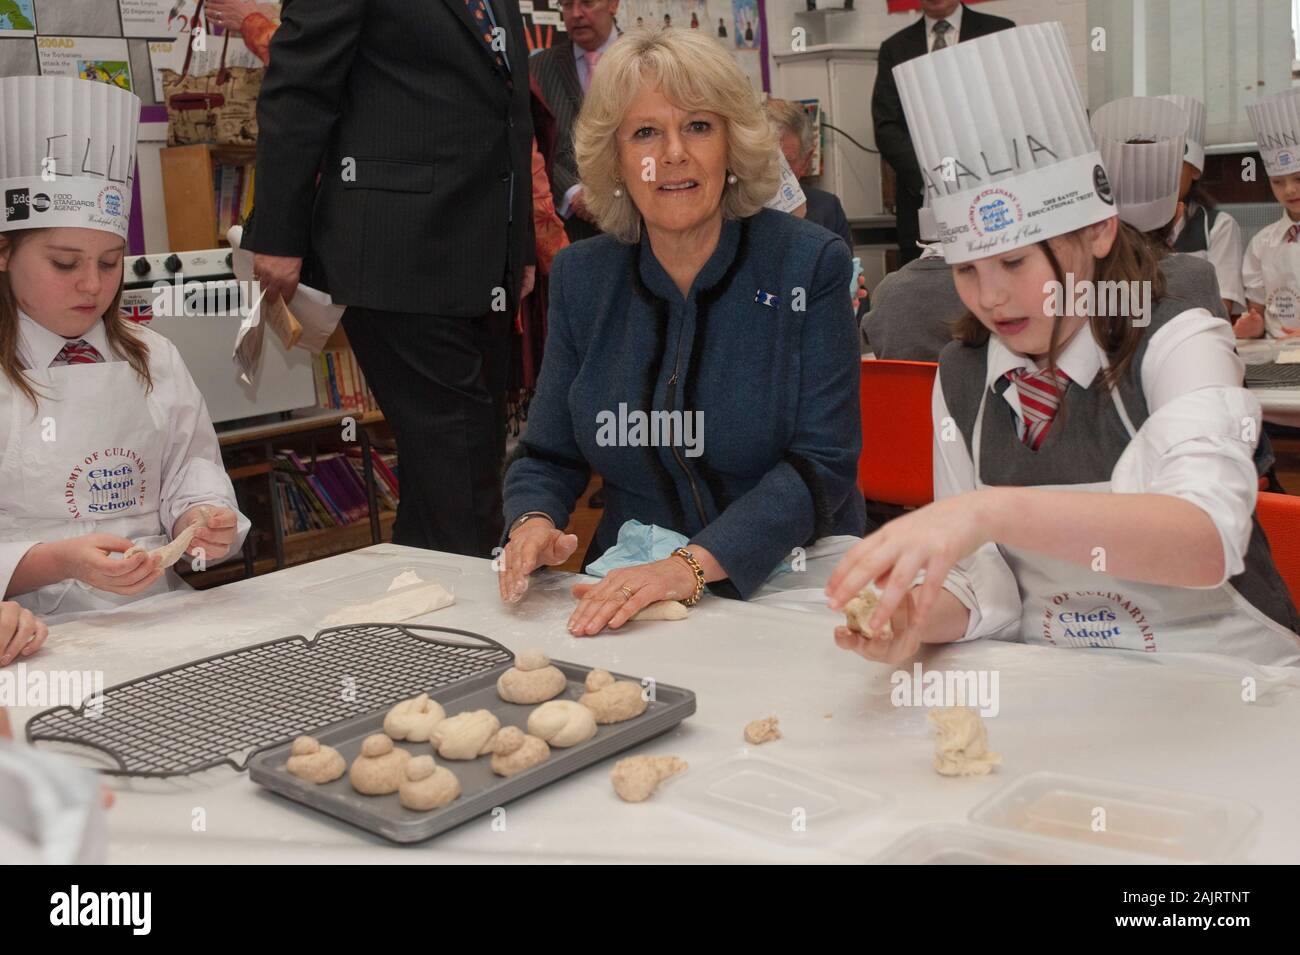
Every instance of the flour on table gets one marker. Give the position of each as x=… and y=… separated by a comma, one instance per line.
x=405, y=579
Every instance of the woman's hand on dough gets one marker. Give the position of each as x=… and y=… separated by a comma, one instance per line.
x=931, y=539
x=535, y=542
x=86, y=559
x=21, y=632
x=214, y=541
x=607, y=604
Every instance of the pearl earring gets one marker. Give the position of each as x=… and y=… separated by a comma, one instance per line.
x=618, y=192
x=732, y=180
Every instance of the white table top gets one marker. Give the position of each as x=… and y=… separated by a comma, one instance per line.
x=1168, y=721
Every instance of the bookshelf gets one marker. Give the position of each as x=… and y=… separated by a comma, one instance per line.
x=206, y=189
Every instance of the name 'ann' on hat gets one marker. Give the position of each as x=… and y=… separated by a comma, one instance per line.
x=1003, y=141
x=1276, y=120
x=67, y=153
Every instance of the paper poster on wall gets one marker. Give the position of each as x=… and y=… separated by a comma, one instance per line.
x=17, y=17
x=170, y=54
x=155, y=18
x=812, y=108
x=746, y=25
x=89, y=58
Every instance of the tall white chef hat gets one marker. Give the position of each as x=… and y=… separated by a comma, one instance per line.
x=1003, y=141
x=1276, y=120
x=67, y=153
x=1195, y=110
x=1141, y=143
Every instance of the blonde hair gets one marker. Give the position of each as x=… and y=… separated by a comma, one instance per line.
x=695, y=73
x=792, y=117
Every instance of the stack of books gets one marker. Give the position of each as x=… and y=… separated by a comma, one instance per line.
x=332, y=492
x=340, y=385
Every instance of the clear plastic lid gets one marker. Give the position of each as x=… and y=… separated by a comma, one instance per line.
x=784, y=802
x=1099, y=813
x=953, y=844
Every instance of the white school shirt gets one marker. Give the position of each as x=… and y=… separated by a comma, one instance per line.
x=1252, y=266
x=1224, y=252
x=191, y=439
x=1215, y=471
x=954, y=21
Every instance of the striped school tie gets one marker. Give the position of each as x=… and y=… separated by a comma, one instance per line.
x=1291, y=233
x=1040, y=395
x=78, y=352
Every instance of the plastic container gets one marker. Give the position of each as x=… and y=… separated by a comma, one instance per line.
x=777, y=800
x=373, y=584
x=954, y=844
x=1098, y=813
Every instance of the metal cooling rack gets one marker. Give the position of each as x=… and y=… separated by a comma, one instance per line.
x=220, y=710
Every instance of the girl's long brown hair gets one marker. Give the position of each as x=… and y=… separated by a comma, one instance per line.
x=1130, y=259
x=125, y=344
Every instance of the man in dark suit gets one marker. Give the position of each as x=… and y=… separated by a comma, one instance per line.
x=944, y=23
x=416, y=116
x=562, y=75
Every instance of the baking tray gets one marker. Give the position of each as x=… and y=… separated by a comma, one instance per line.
x=481, y=789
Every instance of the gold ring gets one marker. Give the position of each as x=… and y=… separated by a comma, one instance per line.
x=626, y=592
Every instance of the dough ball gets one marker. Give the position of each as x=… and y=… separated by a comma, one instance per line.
x=379, y=769
x=637, y=777
x=532, y=679
x=465, y=735
x=315, y=763
x=514, y=751
x=532, y=659
x=762, y=731
x=611, y=701
x=961, y=746
x=414, y=719
x=663, y=610
x=426, y=786
x=562, y=723
x=858, y=610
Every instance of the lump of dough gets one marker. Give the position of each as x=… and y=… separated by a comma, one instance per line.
x=514, y=751
x=426, y=786
x=378, y=770
x=663, y=610
x=173, y=550
x=637, y=777
x=762, y=731
x=961, y=746
x=465, y=735
x=858, y=610
x=395, y=607
x=612, y=701
x=315, y=763
x=562, y=723
x=532, y=679
x=414, y=719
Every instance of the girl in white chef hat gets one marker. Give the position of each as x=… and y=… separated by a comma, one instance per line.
x=107, y=441
x=1094, y=483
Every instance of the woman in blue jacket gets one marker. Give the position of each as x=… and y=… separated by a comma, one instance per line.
x=701, y=355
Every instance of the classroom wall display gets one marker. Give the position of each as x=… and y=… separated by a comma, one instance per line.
x=744, y=14
x=170, y=55
x=154, y=19
x=17, y=18
x=90, y=58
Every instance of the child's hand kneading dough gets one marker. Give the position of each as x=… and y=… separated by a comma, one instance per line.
x=213, y=536
x=21, y=632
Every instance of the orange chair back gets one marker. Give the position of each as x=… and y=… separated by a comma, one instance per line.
x=895, y=466
x=1279, y=515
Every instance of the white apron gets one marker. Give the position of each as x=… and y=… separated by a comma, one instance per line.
x=89, y=461
x=1070, y=605
x=1281, y=269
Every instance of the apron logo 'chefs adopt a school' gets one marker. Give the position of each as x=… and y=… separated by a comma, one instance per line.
x=106, y=483
x=1094, y=625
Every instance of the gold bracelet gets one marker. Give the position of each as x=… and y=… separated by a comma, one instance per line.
x=697, y=570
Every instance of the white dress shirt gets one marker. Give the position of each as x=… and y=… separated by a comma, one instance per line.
x=1224, y=250
x=192, y=469
x=1190, y=447
x=954, y=21
x=1252, y=265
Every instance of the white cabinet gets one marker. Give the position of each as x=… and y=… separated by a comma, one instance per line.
x=841, y=78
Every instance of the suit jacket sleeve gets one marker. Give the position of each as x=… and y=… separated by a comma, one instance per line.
x=310, y=58
x=892, y=136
